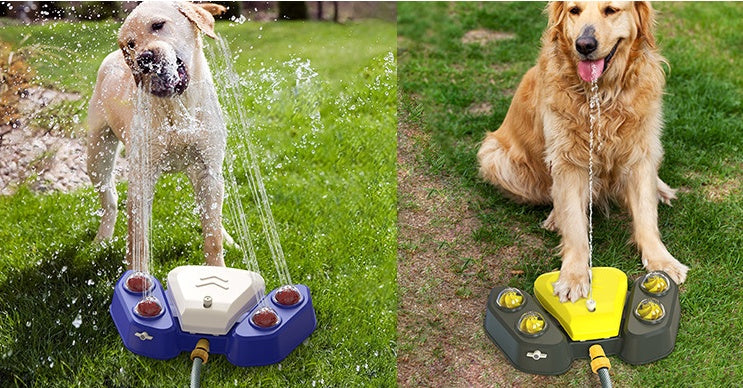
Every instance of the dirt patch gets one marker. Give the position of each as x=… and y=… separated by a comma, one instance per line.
x=483, y=36
x=717, y=189
x=41, y=158
x=444, y=277
x=480, y=109
x=720, y=190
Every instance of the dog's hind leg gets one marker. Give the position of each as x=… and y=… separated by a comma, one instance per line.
x=103, y=146
x=508, y=167
x=208, y=185
x=228, y=240
x=665, y=193
x=550, y=223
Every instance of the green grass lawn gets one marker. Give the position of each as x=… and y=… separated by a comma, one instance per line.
x=327, y=153
x=441, y=79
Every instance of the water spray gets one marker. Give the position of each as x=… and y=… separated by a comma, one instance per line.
x=210, y=309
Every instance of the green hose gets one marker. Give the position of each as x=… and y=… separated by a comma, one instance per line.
x=196, y=373
x=604, y=377
x=199, y=355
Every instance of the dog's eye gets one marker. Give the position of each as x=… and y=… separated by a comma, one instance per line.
x=574, y=11
x=157, y=26
x=610, y=11
x=130, y=44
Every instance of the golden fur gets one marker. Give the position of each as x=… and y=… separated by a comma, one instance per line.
x=540, y=153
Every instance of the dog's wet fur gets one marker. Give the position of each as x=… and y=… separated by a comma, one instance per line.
x=161, y=58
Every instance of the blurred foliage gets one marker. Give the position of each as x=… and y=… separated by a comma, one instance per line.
x=15, y=78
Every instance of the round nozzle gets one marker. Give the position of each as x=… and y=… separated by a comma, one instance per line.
x=287, y=296
x=510, y=298
x=650, y=310
x=655, y=283
x=532, y=324
x=265, y=318
x=138, y=282
x=148, y=307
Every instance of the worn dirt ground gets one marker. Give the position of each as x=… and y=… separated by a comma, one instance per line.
x=444, y=278
x=42, y=158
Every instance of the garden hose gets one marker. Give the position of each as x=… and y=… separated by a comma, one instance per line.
x=600, y=365
x=199, y=356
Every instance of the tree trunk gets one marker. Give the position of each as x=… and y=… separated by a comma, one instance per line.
x=292, y=10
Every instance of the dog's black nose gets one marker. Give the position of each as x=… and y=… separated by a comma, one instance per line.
x=586, y=44
x=145, y=61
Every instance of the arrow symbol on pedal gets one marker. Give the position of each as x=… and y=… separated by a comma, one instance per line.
x=213, y=282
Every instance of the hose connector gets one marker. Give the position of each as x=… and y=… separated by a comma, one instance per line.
x=598, y=358
x=201, y=350
x=600, y=365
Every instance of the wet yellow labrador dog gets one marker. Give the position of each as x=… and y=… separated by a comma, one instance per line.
x=157, y=92
x=540, y=154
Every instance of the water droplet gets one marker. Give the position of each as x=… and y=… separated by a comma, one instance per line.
x=77, y=321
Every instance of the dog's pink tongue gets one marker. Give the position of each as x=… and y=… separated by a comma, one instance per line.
x=590, y=71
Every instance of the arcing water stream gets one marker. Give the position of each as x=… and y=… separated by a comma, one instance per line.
x=231, y=94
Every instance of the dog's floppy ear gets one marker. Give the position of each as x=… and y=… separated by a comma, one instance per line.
x=214, y=9
x=645, y=21
x=201, y=16
x=555, y=14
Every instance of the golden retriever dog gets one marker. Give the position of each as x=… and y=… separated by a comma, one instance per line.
x=540, y=153
x=158, y=86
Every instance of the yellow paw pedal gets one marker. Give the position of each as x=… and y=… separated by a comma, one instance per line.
x=609, y=292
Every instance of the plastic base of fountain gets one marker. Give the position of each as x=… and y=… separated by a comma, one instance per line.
x=543, y=336
x=245, y=344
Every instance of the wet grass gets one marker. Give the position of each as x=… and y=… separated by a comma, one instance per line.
x=441, y=78
x=331, y=181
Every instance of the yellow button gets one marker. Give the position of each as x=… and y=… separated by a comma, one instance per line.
x=531, y=323
x=510, y=298
x=655, y=283
x=650, y=310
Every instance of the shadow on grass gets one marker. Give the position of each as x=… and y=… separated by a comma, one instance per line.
x=57, y=312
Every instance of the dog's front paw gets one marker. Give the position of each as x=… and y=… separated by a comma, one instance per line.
x=571, y=285
x=671, y=266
